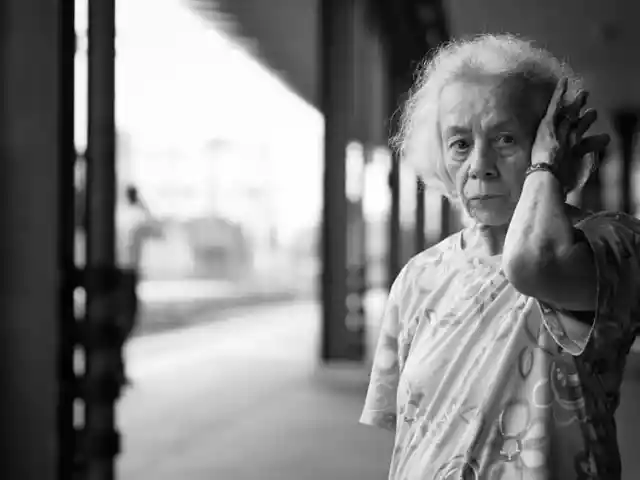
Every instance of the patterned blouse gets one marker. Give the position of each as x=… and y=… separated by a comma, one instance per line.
x=480, y=382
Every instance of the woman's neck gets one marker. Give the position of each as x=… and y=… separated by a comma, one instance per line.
x=487, y=240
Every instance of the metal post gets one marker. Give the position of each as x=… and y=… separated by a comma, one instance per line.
x=337, y=59
x=626, y=124
x=445, y=218
x=394, y=186
x=66, y=246
x=100, y=439
x=35, y=141
x=361, y=130
x=413, y=30
x=420, y=239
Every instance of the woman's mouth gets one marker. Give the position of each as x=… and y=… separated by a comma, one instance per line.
x=485, y=196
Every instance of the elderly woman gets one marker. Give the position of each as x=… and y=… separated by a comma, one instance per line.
x=502, y=348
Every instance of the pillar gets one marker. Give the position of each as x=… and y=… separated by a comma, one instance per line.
x=355, y=108
x=412, y=32
x=420, y=240
x=338, y=101
x=36, y=245
x=395, y=241
x=625, y=123
x=101, y=346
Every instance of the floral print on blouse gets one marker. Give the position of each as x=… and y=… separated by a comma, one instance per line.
x=480, y=382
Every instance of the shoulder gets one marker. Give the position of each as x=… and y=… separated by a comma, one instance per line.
x=432, y=257
x=439, y=252
x=423, y=269
x=616, y=235
x=606, y=219
x=606, y=228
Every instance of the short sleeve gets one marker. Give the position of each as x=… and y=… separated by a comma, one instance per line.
x=614, y=239
x=380, y=406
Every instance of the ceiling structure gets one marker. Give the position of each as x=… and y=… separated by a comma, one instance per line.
x=282, y=33
x=600, y=39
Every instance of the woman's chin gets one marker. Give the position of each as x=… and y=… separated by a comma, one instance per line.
x=492, y=212
x=491, y=218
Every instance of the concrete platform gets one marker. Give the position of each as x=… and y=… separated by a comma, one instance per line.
x=245, y=399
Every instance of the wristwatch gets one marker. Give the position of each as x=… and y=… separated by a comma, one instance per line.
x=546, y=167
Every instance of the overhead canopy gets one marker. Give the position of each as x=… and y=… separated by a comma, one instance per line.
x=599, y=38
x=283, y=34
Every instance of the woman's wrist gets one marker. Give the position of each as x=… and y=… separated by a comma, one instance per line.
x=551, y=154
x=548, y=170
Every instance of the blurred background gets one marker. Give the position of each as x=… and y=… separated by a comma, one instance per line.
x=231, y=159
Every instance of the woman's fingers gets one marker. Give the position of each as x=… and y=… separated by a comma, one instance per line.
x=584, y=123
x=593, y=144
x=568, y=115
x=575, y=107
x=556, y=102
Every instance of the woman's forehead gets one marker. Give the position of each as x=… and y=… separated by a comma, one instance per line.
x=487, y=102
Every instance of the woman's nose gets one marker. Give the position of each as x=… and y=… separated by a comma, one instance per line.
x=482, y=164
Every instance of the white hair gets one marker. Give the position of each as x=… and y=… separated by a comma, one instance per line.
x=418, y=141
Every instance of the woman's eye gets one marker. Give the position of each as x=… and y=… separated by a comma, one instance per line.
x=505, y=140
x=459, y=146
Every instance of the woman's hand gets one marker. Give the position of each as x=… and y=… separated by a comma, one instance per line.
x=560, y=138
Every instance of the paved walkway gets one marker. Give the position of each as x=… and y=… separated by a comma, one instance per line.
x=245, y=399
x=167, y=304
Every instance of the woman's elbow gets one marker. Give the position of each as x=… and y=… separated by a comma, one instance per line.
x=525, y=272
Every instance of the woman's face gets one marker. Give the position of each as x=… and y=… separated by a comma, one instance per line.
x=488, y=126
